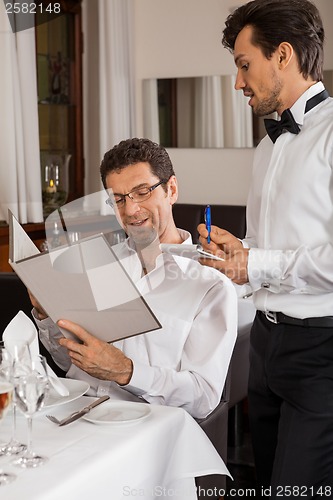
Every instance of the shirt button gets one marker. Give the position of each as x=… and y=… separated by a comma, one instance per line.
x=265, y=285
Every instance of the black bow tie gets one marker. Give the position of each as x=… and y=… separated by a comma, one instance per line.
x=276, y=127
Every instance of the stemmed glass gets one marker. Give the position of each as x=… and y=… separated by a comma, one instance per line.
x=17, y=353
x=31, y=389
x=6, y=393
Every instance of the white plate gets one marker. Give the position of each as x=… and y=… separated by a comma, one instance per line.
x=76, y=389
x=118, y=412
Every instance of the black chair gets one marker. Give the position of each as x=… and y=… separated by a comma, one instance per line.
x=239, y=375
x=231, y=217
x=215, y=425
x=15, y=298
x=224, y=425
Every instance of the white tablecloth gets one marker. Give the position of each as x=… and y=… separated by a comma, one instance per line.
x=156, y=457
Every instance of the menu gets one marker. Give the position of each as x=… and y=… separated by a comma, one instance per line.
x=84, y=282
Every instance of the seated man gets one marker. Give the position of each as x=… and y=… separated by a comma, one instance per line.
x=186, y=362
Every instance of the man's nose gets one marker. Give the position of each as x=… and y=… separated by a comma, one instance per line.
x=239, y=82
x=131, y=207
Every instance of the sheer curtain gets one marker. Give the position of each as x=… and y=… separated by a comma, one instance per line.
x=222, y=117
x=208, y=112
x=151, y=126
x=238, y=124
x=116, y=71
x=20, y=180
x=108, y=80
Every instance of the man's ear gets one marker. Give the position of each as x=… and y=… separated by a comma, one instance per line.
x=172, y=189
x=284, y=54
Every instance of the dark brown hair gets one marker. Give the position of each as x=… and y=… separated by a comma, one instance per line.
x=297, y=22
x=132, y=151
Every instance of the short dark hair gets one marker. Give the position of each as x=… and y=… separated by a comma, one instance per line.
x=135, y=150
x=297, y=22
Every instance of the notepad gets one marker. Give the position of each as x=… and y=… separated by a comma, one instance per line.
x=189, y=251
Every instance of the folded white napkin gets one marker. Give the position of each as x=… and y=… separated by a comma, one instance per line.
x=21, y=330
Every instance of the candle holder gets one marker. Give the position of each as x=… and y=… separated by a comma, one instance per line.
x=54, y=182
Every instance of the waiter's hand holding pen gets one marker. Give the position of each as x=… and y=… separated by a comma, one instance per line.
x=220, y=242
x=208, y=221
x=205, y=232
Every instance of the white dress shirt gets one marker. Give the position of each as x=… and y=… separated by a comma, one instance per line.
x=290, y=216
x=184, y=363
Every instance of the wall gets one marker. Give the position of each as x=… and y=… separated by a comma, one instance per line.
x=213, y=175
x=183, y=38
x=179, y=38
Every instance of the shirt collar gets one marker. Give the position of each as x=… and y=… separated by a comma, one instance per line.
x=298, y=108
x=185, y=236
x=182, y=262
x=126, y=250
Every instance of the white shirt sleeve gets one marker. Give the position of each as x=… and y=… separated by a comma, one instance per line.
x=49, y=335
x=198, y=383
x=305, y=270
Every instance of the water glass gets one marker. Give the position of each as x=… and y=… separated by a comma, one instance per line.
x=6, y=394
x=31, y=390
x=10, y=369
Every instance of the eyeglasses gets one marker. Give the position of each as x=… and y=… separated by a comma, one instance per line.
x=137, y=195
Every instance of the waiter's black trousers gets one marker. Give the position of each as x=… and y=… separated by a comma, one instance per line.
x=291, y=409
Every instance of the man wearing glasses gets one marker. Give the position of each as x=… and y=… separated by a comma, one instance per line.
x=185, y=363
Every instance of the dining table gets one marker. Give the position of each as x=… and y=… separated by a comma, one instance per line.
x=155, y=455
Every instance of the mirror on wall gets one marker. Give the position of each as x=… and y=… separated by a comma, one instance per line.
x=202, y=112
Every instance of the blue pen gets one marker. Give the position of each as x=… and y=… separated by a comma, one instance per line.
x=208, y=221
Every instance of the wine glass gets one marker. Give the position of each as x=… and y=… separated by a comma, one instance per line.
x=17, y=353
x=31, y=389
x=6, y=393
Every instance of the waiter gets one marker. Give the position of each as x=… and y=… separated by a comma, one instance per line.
x=287, y=256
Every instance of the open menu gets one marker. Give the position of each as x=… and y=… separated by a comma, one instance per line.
x=84, y=282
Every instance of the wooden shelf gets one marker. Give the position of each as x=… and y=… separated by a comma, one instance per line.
x=51, y=39
x=59, y=47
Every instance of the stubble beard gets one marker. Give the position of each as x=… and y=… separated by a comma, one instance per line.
x=142, y=236
x=271, y=103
